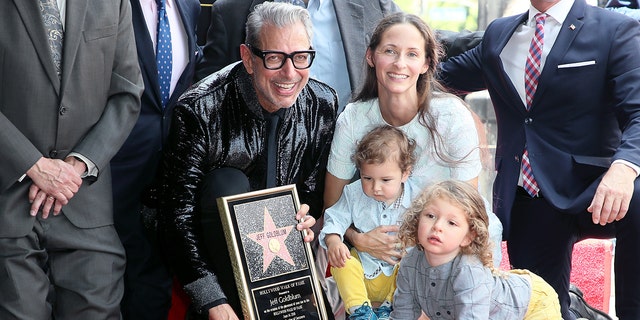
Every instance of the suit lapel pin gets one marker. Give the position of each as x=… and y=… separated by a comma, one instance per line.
x=572, y=27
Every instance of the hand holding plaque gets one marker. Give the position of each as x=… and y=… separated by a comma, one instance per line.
x=273, y=266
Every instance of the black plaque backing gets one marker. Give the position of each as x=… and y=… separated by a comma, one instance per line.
x=273, y=266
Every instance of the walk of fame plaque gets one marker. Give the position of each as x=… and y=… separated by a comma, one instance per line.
x=273, y=266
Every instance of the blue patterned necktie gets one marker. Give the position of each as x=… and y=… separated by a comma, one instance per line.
x=55, y=34
x=163, y=53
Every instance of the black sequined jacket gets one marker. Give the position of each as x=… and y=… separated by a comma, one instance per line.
x=219, y=123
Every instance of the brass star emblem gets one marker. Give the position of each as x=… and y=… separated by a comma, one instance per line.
x=272, y=241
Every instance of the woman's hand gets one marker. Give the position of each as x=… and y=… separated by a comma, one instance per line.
x=378, y=243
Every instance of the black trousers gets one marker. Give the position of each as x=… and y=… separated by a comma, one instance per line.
x=147, y=279
x=542, y=239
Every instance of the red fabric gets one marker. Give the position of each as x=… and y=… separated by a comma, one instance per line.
x=590, y=270
x=179, y=302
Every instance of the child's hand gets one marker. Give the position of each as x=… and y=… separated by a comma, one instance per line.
x=338, y=254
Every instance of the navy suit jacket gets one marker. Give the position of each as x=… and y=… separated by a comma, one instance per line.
x=135, y=164
x=585, y=112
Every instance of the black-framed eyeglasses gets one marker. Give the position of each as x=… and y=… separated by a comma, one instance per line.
x=274, y=60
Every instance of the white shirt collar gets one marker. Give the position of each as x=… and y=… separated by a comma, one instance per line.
x=558, y=11
x=152, y=3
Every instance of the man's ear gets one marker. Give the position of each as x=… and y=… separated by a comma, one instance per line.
x=246, y=56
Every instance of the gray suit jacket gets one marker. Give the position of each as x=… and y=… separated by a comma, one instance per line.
x=357, y=20
x=90, y=112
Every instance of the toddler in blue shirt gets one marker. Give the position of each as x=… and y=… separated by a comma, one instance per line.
x=384, y=157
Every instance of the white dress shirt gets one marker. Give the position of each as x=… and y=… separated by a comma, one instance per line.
x=179, y=44
x=330, y=64
x=514, y=54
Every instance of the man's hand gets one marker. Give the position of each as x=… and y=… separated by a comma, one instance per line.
x=306, y=222
x=78, y=165
x=54, y=183
x=378, y=243
x=222, y=312
x=39, y=198
x=613, y=195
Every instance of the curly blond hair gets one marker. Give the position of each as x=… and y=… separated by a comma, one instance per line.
x=465, y=197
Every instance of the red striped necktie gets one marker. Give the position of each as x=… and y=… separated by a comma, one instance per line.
x=531, y=74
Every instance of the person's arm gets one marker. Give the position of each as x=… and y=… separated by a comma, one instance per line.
x=107, y=135
x=313, y=167
x=55, y=182
x=456, y=42
x=337, y=251
x=184, y=157
x=122, y=108
x=333, y=189
x=376, y=242
x=463, y=73
x=471, y=287
x=613, y=194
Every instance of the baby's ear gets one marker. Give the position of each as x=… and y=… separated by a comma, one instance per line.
x=468, y=239
x=406, y=174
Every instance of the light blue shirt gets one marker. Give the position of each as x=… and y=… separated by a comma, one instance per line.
x=330, y=64
x=365, y=213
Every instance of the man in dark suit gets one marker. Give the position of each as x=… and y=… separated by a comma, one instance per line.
x=64, y=112
x=147, y=280
x=578, y=131
x=355, y=19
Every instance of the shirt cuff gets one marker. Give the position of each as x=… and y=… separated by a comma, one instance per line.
x=92, y=169
x=630, y=165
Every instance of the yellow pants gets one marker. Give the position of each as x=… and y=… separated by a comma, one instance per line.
x=355, y=289
x=544, y=303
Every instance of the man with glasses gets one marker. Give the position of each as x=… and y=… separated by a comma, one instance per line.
x=255, y=124
x=341, y=29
